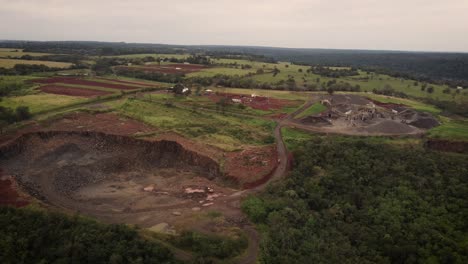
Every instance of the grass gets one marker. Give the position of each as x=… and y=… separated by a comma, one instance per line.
x=295, y=138
x=412, y=103
x=40, y=102
x=16, y=53
x=450, y=129
x=269, y=93
x=10, y=63
x=210, y=72
x=224, y=131
x=312, y=110
x=154, y=55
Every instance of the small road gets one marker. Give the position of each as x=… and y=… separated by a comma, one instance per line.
x=251, y=254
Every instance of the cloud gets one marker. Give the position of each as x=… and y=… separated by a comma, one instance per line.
x=364, y=24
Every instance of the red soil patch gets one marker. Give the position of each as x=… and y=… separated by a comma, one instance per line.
x=104, y=122
x=78, y=81
x=8, y=193
x=72, y=91
x=129, y=82
x=257, y=102
x=167, y=69
x=387, y=105
x=210, y=151
x=252, y=164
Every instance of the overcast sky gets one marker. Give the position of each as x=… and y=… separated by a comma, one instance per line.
x=426, y=25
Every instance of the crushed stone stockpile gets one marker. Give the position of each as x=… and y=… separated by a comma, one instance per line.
x=389, y=127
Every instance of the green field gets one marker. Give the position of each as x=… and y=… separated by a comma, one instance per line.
x=224, y=131
x=210, y=72
x=450, y=129
x=412, y=103
x=312, y=110
x=40, y=102
x=269, y=93
x=10, y=63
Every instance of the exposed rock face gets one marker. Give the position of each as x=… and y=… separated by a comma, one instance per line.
x=73, y=160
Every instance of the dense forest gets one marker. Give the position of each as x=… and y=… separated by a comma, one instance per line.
x=33, y=236
x=357, y=202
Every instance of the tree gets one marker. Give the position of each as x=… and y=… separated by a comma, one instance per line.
x=430, y=89
x=275, y=71
x=22, y=113
x=330, y=91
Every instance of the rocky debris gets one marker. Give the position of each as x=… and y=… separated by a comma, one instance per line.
x=196, y=209
x=211, y=197
x=207, y=204
x=425, y=122
x=177, y=213
x=192, y=190
x=149, y=188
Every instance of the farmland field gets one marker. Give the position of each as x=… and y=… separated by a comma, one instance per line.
x=16, y=53
x=212, y=71
x=162, y=56
x=10, y=63
x=40, y=102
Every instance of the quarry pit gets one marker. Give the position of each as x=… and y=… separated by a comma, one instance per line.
x=112, y=177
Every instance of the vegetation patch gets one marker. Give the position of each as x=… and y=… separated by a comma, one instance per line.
x=360, y=202
x=34, y=236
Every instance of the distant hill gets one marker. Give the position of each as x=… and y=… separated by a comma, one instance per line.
x=445, y=67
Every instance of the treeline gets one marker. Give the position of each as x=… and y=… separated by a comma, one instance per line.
x=26, y=69
x=72, y=58
x=91, y=48
x=151, y=76
x=360, y=202
x=208, y=247
x=333, y=73
x=104, y=66
x=11, y=86
x=9, y=116
x=32, y=236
